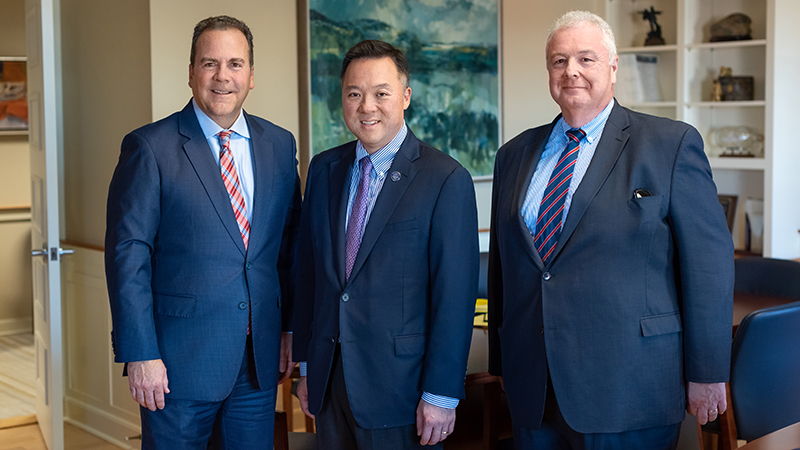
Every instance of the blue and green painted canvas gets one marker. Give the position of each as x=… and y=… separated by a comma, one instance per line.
x=451, y=46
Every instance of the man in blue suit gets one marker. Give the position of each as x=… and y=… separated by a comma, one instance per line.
x=202, y=216
x=610, y=267
x=389, y=257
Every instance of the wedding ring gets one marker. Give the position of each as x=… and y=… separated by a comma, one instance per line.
x=444, y=432
x=712, y=411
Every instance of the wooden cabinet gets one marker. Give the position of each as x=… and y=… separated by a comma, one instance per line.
x=687, y=66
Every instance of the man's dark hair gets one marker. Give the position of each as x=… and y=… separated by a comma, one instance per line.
x=372, y=49
x=220, y=23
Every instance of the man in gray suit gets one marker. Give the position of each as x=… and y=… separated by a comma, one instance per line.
x=610, y=268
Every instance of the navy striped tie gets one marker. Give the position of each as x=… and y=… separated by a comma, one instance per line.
x=551, y=211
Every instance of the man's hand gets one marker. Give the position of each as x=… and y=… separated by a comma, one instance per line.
x=148, y=383
x=434, y=424
x=286, y=365
x=302, y=395
x=706, y=401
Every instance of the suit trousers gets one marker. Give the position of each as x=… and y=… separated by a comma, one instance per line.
x=243, y=420
x=337, y=428
x=556, y=434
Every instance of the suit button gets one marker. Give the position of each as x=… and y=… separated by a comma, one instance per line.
x=242, y=305
x=248, y=265
x=546, y=276
x=345, y=297
x=541, y=330
x=333, y=340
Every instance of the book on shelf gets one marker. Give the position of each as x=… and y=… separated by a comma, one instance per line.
x=637, y=79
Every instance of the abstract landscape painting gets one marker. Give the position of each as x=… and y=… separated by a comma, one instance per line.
x=452, y=50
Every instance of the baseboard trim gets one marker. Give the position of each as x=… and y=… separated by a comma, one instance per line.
x=18, y=421
x=22, y=325
x=92, y=420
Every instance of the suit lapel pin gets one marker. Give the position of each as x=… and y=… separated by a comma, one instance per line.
x=395, y=176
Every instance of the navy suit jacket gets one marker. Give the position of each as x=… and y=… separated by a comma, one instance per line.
x=405, y=315
x=638, y=297
x=179, y=277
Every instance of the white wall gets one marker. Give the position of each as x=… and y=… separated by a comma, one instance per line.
x=274, y=28
x=784, y=226
x=106, y=93
x=526, y=98
x=15, y=196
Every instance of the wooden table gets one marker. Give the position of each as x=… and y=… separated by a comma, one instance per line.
x=744, y=304
x=784, y=439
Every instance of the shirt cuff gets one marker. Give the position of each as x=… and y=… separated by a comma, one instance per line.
x=436, y=400
x=303, y=368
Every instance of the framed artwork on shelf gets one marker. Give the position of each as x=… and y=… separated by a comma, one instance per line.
x=13, y=95
x=452, y=50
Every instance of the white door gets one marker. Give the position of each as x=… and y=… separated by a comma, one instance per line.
x=42, y=19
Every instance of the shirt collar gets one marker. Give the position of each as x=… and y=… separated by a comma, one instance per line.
x=593, y=129
x=211, y=128
x=382, y=159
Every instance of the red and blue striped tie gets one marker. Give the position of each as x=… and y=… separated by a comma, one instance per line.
x=231, y=179
x=551, y=211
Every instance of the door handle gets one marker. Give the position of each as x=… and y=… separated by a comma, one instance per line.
x=54, y=253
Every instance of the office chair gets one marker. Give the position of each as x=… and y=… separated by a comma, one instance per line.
x=766, y=276
x=765, y=369
x=483, y=274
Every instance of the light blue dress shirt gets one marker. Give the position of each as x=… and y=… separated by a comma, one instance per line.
x=381, y=162
x=556, y=144
x=240, y=147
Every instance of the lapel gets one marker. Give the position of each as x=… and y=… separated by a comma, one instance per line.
x=264, y=176
x=531, y=154
x=605, y=157
x=339, y=177
x=199, y=154
x=389, y=197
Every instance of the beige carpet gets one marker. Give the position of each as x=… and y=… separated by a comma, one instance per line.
x=17, y=376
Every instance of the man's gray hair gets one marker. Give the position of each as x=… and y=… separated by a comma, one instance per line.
x=575, y=18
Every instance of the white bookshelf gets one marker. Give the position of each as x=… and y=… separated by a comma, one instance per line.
x=688, y=64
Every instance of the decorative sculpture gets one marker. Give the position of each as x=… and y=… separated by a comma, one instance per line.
x=654, y=36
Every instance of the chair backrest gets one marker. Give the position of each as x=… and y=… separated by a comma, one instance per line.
x=765, y=371
x=774, y=277
x=483, y=275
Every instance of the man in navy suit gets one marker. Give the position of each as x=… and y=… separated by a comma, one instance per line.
x=610, y=267
x=389, y=257
x=202, y=216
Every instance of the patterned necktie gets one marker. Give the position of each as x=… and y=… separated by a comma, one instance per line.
x=231, y=180
x=551, y=211
x=358, y=214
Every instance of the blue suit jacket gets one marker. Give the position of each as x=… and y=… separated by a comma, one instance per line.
x=405, y=315
x=179, y=278
x=638, y=298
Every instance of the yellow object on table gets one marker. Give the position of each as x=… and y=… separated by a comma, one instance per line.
x=481, y=313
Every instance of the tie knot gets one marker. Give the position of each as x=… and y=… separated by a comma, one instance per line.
x=225, y=136
x=576, y=135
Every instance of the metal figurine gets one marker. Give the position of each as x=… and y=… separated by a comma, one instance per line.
x=654, y=36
